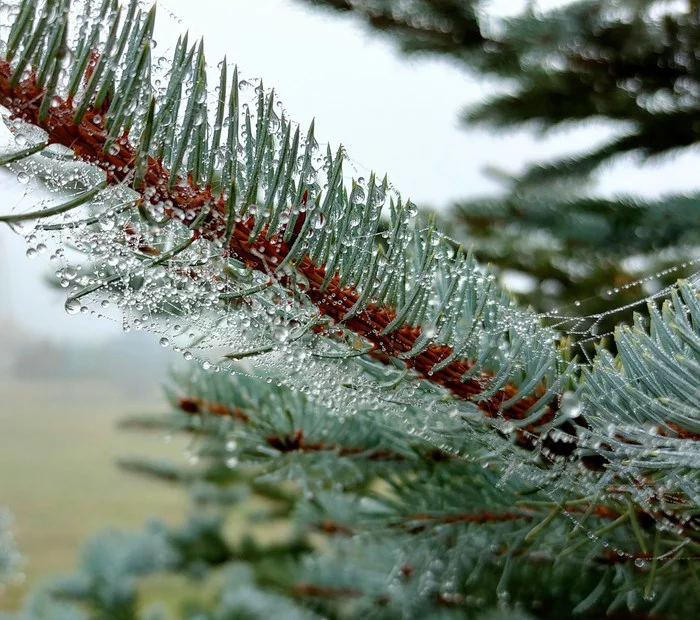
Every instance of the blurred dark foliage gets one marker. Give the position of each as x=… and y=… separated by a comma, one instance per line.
x=632, y=63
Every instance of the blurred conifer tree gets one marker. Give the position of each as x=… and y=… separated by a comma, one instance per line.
x=632, y=63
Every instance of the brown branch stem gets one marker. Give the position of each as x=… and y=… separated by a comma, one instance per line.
x=87, y=140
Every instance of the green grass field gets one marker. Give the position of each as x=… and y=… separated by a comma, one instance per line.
x=58, y=446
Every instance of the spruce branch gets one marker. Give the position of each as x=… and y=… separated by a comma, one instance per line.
x=250, y=225
x=100, y=134
x=415, y=535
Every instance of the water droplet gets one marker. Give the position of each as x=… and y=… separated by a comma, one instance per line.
x=357, y=195
x=23, y=178
x=22, y=228
x=571, y=405
x=107, y=223
x=281, y=334
x=164, y=342
x=72, y=306
x=31, y=253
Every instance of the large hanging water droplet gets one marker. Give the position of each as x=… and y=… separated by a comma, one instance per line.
x=22, y=227
x=72, y=306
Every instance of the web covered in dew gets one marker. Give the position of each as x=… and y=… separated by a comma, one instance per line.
x=139, y=257
x=585, y=328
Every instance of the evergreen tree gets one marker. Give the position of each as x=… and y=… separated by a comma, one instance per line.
x=9, y=555
x=630, y=63
x=434, y=449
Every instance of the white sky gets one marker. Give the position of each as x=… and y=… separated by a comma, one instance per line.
x=396, y=114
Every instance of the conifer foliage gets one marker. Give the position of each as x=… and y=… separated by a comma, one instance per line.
x=629, y=66
x=9, y=555
x=385, y=393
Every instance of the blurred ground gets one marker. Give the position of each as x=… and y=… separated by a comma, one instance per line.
x=58, y=446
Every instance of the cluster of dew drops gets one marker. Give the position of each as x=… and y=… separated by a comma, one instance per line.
x=167, y=290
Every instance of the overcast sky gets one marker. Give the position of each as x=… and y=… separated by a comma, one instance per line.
x=392, y=113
